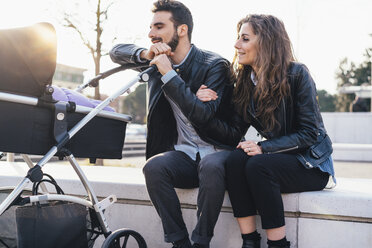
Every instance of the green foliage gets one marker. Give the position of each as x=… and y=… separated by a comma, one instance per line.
x=135, y=104
x=326, y=101
x=350, y=74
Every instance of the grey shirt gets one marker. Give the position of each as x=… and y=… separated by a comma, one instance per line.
x=188, y=140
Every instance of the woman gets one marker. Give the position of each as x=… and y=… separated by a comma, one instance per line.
x=277, y=96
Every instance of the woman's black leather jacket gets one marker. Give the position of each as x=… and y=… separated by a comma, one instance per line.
x=301, y=130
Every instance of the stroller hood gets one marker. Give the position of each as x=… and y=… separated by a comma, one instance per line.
x=27, y=59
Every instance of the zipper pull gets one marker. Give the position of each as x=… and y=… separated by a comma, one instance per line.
x=310, y=165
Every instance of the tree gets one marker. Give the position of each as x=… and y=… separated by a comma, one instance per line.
x=350, y=74
x=135, y=104
x=91, y=37
x=326, y=101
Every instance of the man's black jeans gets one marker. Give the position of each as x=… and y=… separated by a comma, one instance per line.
x=175, y=169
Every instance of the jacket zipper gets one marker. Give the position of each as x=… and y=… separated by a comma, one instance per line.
x=284, y=150
x=285, y=117
x=306, y=162
x=255, y=118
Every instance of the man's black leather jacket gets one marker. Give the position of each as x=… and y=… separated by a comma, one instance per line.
x=200, y=67
x=301, y=130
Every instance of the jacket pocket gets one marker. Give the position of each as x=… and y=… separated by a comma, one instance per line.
x=318, y=150
x=317, y=153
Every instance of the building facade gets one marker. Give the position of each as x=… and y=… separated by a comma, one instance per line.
x=68, y=76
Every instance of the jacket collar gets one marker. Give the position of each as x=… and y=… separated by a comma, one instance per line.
x=186, y=61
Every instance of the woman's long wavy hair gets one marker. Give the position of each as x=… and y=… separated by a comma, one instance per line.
x=274, y=55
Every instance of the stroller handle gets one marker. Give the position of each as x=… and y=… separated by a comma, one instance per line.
x=145, y=75
x=95, y=81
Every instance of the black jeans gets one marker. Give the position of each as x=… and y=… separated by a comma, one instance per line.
x=256, y=183
x=174, y=169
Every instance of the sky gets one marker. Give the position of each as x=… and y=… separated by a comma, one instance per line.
x=323, y=32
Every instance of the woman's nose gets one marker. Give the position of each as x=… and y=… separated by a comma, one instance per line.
x=237, y=44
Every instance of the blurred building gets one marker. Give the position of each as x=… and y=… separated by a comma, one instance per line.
x=67, y=76
x=363, y=95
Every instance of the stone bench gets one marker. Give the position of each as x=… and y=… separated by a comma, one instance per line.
x=341, y=217
x=352, y=152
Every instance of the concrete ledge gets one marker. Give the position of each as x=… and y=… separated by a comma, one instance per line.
x=352, y=152
x=340, y=217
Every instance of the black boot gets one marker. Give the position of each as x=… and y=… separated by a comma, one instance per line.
x=251, y=243
x=275, y=246
x=184, y=243
x=196, y=245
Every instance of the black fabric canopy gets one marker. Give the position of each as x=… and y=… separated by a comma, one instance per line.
x=27, y=59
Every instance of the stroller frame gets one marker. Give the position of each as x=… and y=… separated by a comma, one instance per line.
x=35, y=173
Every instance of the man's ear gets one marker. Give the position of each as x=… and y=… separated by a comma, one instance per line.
x=182, y=30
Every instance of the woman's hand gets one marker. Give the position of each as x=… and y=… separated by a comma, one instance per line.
x=205, y=95
x=250, y=147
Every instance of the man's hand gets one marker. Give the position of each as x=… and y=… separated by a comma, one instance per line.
x=250, y=147
x=205, y=95
x=155, y=50
x=163, y=63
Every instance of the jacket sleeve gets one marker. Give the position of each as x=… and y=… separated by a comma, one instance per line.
x=199, y=113
x=125, y=54
x=305, y=117
x=229, y=131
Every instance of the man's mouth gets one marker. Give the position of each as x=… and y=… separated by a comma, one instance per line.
x=156, y=40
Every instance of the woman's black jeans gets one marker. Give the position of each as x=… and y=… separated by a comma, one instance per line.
x=255, y=184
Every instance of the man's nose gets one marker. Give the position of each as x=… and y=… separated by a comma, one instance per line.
x=151, y=34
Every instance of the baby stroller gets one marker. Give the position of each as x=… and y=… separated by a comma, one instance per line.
x=33, y=122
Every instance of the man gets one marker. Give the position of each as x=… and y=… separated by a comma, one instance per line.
x=181, y=149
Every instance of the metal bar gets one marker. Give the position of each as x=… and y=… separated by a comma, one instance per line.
x=92, y=195
x=56, y=197
x=48, y=156
x=12, y=196
x=18, y=99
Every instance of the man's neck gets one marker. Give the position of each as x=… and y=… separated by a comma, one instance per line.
x=180, y=53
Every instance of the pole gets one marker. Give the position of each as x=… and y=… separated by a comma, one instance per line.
x=370, y=58
x=10, y=157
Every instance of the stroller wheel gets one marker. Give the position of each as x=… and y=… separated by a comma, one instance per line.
x=123, y=237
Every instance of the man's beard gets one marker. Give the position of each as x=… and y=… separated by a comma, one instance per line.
x=174, y=42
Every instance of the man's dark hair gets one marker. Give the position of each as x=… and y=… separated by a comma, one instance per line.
x=180, y=13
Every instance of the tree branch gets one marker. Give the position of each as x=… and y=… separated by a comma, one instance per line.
x=70, y=24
